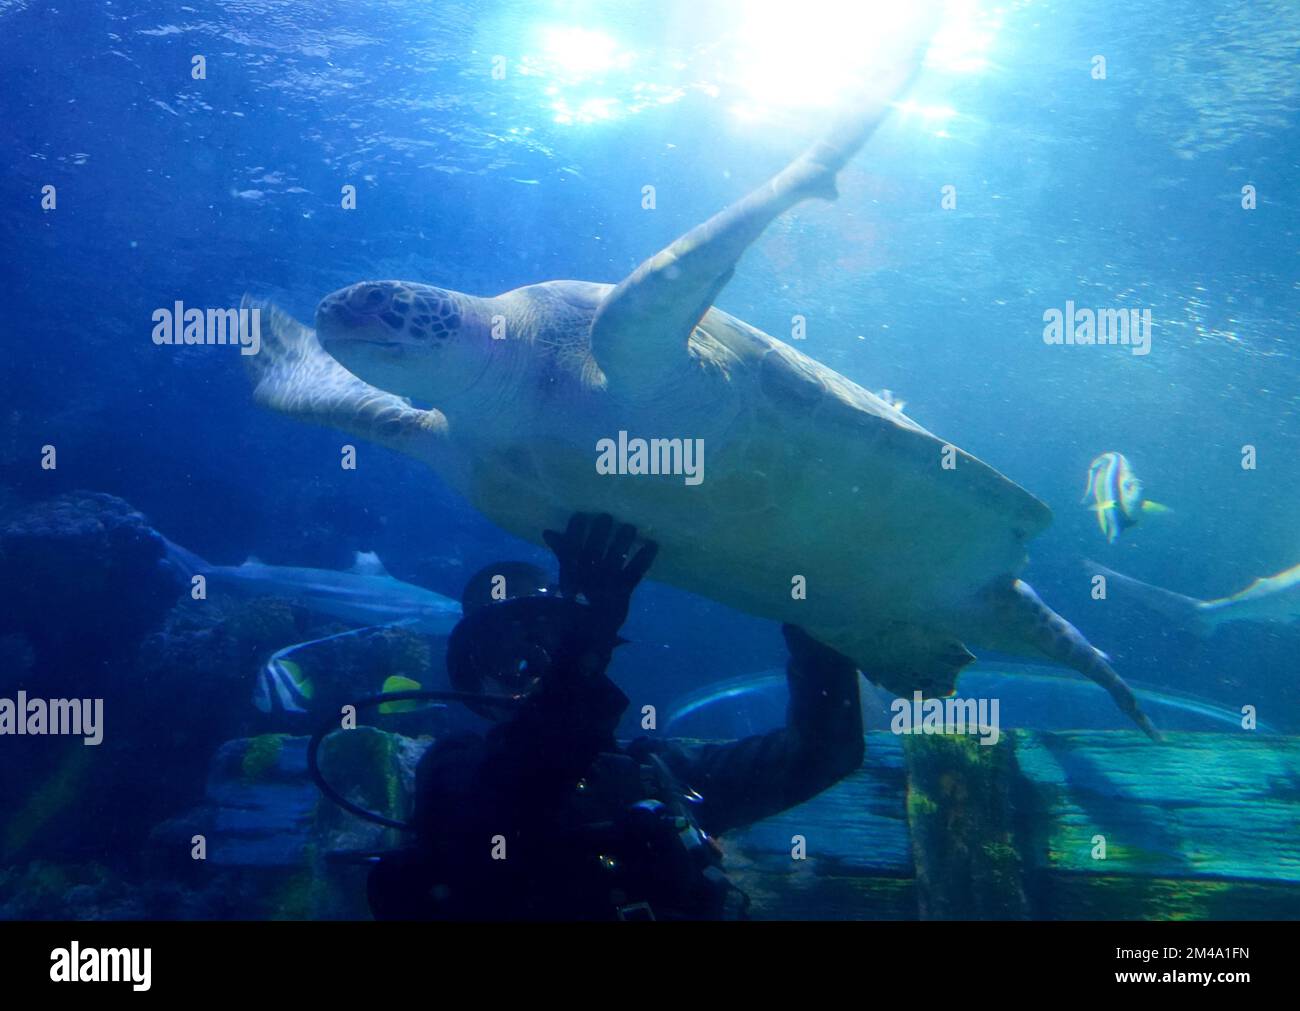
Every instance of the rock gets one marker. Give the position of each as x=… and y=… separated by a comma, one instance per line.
x=82, y=585
x=81, y=581
x=275, y=840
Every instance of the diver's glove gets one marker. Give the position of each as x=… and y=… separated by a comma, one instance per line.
x=819, y=677
x=808, y=653
x=596, y=560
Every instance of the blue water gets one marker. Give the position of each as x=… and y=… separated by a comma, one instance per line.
x=1118, y=192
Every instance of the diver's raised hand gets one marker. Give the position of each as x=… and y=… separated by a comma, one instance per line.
x=596, y=560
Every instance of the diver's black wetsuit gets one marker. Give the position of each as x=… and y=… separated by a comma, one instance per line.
x=546, y=781
x=548, y=817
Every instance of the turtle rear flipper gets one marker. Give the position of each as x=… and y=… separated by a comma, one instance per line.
x=1019, y=622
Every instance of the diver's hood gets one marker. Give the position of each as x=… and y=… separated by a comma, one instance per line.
x=500, y=581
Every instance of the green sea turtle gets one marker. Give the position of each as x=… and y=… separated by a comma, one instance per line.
x=906, y=546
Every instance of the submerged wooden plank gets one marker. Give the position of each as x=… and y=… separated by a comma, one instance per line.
x=1129, y=897
x=1204, y=805
x=1206, y=826
x=812, y=896
x=859, y=826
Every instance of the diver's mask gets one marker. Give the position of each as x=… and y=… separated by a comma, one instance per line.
x=510, y=647
x=498, y=656
x=517, y=633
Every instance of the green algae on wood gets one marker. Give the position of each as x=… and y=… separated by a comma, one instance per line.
x=364, y=764
x=968, y=865
x=261, y=755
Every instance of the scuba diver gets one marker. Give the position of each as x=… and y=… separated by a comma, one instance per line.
x=547, y=816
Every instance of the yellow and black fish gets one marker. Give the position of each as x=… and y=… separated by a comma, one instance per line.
x=1116, y=494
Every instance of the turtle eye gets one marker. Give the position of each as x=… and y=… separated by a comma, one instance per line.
x=370, y=296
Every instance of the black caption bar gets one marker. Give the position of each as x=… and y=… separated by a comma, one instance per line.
x=327, y=959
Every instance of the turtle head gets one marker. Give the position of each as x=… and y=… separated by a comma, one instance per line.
x=411, y=339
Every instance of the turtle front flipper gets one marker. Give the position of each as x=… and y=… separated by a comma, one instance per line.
x=292, y=373
x=643, y=325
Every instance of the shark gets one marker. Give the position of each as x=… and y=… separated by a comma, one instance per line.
x=365, y=596
x=1269, y=600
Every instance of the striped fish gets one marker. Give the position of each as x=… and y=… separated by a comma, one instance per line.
x=1116, y=495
